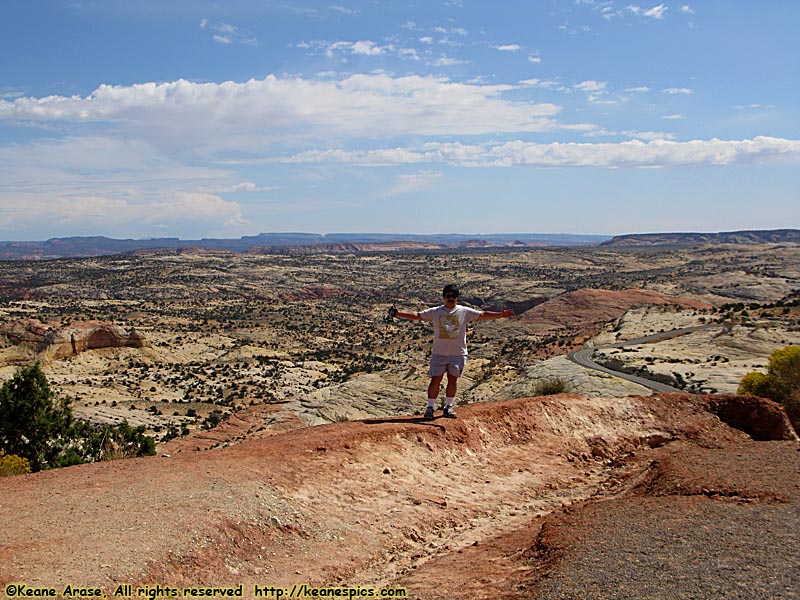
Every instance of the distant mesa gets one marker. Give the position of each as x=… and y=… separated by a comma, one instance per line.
x=74, y=247
x=772, y=236
x=60, y=341
x=315, y=243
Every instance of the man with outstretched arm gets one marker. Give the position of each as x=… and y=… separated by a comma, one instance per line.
x=449, y=355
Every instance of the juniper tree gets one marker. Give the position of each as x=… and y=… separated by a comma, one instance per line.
x=33, y=425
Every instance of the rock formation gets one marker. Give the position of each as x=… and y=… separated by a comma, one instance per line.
x=56, y=341
x=593, y=306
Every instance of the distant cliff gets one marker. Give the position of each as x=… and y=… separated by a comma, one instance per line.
x=76, y=247
x=772, y=236
x=302, y=243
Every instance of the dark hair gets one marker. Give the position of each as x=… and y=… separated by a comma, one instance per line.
x=450, y=289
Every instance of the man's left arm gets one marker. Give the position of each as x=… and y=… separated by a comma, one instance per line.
x=489, y=315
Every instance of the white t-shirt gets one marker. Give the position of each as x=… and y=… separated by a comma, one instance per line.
x=450, y=328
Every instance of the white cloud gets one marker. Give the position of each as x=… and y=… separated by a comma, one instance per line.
x=658, y=152
x=248, y=117
x=229, y=34
x=548, y=84
x=508, y=48
x=447, y=61
x=687, y=9
x=409, y=53
x=591, y=86
x=574, y=30
x=140, y=154
x=656, y=12
x=123, y=217
x=118, y=186
x=673, y=91
x=595, y=91
x=345, y=10
x=383, y=157
x=753, y=106
x=675, y=117
x=638, y=90
x=362, y=47
x=249, y=186
x=369, y=48
x=649, y=135
x=413, y=183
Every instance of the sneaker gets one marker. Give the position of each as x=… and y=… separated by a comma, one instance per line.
x=429, y=413
x=449, y=412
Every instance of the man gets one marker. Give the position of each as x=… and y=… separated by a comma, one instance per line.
x=449, y=354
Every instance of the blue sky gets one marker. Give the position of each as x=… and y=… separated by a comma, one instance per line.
x=193, y=118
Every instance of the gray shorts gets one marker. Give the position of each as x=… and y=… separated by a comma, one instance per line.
x=454, y=365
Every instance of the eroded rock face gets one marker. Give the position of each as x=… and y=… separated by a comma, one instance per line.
x=586, y=306
x=59, y=341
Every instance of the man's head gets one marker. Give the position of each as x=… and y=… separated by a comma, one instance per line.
x=450, y=294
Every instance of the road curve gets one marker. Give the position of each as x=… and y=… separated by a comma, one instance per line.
x=583, y=357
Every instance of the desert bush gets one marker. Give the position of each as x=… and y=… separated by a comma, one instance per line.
x=549, y=387
x=11, y=464
x=95, y=443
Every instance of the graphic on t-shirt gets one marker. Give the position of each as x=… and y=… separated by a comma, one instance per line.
x=448, y=327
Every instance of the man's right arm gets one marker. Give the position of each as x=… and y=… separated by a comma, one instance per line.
x=412, y=316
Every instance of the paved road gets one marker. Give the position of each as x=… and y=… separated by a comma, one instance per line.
x=583, y=357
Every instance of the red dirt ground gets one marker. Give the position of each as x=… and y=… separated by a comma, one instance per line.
x=494, y=504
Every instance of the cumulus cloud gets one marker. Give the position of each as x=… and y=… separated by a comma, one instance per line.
x=255, y=113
